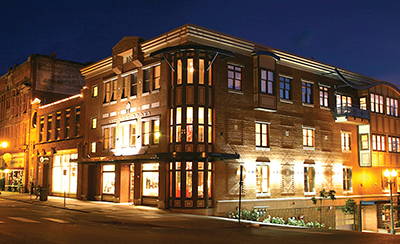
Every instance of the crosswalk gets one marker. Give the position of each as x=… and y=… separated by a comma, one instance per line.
x=14, y=219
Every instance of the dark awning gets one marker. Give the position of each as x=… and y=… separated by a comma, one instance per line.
x=184, y=48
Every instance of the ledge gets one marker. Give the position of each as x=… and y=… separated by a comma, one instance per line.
x=286, y=101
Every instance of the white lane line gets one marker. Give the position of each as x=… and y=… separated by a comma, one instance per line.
x=21, y=219
x=56, y=220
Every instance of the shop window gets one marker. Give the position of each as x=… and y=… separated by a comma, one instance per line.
x=190, y=70
x=234, y=77
x=150, y=176
x=262, y=134
x=64, y=172
x=108, y=186
x=309, y=179
x=95, y=91
x=308, y=137
x=262, y=179
x=307, y=92
x=133, y=83
x=178, y=179
x=285, y=87
x=392, y=107
x=323, y=97
x=345, y=141
x=378, y=143
x=376, y=103
x=200, y=180
x=189, y=180
x=347, y=179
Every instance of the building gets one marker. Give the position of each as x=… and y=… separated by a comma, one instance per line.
x=44, y=78
x=175, y=116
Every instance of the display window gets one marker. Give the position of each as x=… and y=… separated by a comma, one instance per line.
x=150, y=179
x=108, y=179
x=65, y=173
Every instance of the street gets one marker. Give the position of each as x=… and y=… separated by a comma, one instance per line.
x=24, y=222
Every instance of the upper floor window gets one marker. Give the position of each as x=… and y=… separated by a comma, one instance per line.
x=93, y=124
x=342, y=101
x=110, y=90
x=378, y=143
x=125, y=87
x=346, y=141
x=392, y=106
x=151, y=131
x=323, y=97
x=41, y=129
x=201, y=71
x=95, y=91
x=285, y=87
x=347, y=179
x=262, y=179
x=393, y=144
x=93, y=147
x=49, y=127
x=133, y=83
x=234, y=77
x=58, y=126
x=77, y=120
x=67, y=121
x=307, y=92
x=262, y=134
x=309, y=179
x=266, y=82
x=363, y=103
x=190, y=70
x=109, y=138
x=308, y=137
x=364, y=141
x=376, y=103
x=179, y=72
x=151, y=78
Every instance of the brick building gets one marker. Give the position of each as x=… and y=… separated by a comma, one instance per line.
x=173, y=118
x=40, y=77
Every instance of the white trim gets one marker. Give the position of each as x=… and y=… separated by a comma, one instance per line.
x=307, y=81
x=323, y=85
x=282, y=100
x=129, y=73
x=285, y=76
x=308, y=105
x=61, y=101
x=262, y=122
x=233, y=91
x=307, y=127
x=234, y=64
x=110, y=79
x=313, y=193
x=150, y=65
x=264, y=149
x=266, y=110
x=309, y=148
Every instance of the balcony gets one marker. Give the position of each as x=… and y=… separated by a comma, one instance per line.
x=351, y=115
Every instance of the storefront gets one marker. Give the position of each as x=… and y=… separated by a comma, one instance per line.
x=65, y=174
x=150, y=178
x=12, y=176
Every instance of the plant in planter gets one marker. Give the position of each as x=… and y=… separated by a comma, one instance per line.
x=323, y=195
x=349, y=207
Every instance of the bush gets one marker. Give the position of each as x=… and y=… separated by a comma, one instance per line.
x=314, y=225
x=349, y=207
x=296, y=222
x=253, y=215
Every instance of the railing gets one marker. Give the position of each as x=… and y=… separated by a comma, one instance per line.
x=352, y=111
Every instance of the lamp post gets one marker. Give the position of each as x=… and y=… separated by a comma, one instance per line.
x=4, y=144
x=391, y=176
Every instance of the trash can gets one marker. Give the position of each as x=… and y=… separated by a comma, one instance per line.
x=43, y=193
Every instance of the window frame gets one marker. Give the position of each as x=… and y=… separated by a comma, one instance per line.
x=263, y=193
x=285, y=91
x=237, y=78
x=267, y=82
x=307, y=92
x=306, y=182
x=323, y=96
x=306, y=145
x=261, y=134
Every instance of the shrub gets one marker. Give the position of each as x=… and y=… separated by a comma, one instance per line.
x=253, y=215
x=349, y=207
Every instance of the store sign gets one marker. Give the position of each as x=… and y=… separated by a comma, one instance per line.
x=43, y=159
x=130, y=116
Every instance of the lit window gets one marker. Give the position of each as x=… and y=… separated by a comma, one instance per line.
x=285, y=85
x=156, y=77
x=107, y=92
x=49, y=127
x=201, y=115
x=266, y=82
x=343, y=103
x=378, y=143
x=189, y=115
x=132, y=133
x=109, y=138
x=392, y=107
x=58, y=125
x=179, y=72
x=363, y=103
x=323, y=96
x=262, y=179
x=150, y=179
x=41, y=129
x=376, y=103
x=108, y=179
x=309, y=137
x=347, y=179
x=146, y=127
x=346, y=141
x=95, y=91
x=189, y=125
x=201, y=71
x=93, y=147
x=156, y=131
x=133, y=81
x=393, y=144
x=234, y=77
x=309, y=179
x=189, y=181
x=364, y=139
x=262, y=132
x=94, y=123
x=307, y=92
x=125, y=87
x=190, y=71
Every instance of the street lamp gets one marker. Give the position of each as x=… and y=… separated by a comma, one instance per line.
x=4, y=144
x=391, y=176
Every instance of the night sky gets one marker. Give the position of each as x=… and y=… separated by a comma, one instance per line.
x=361, y=36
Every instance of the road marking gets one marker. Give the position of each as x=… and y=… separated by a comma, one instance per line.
x=21, y=219
x=56, y=220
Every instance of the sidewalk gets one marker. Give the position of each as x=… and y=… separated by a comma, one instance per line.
x=76, y=205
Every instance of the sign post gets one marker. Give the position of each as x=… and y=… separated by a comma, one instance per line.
x=240, y=192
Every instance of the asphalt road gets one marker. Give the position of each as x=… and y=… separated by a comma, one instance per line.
x=22, y=222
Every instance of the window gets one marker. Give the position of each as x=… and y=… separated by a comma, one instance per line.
x=41, y=129
x=77, y=120
x=234, y=77
x=132, y=133
x=262, y=179
x=323, y=96
x=376, y=103
x=151, y=131
x=308, y=137
x=364, y=140
x=67, y=125
x=133, y=80
x=156, y=77
x=363, y=103
x=146, y=130
x=190, y=70
x=266, y=82
x=58, y=126
x=378, y=143
x=346, y=141
x=393, y=144
x=150, y=179
x=201, y=116
x=307, y=92
x=93, y=147
x=151, y=78
x=201, y=71
x=343, y=103
x=156, y=131
x=114, y=90
x=109, y=139
x=262, y=137
x=210, y=122
x=95, y=91
x=392, y=106
x=146, y=80
x=309, y=179
x=108, y=186
x=64, y=173
x=125, y=87
x=189, y=124
x=110, y=90
x=285, y=87
x=94, y=123
x=347, y=179
x=179, y=72
x=49, y=127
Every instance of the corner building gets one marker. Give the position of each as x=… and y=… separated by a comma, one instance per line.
x=171, y=119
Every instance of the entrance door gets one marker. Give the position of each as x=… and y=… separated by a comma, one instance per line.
x=369, y=218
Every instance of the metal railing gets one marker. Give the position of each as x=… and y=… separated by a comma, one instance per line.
x=352, y=111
